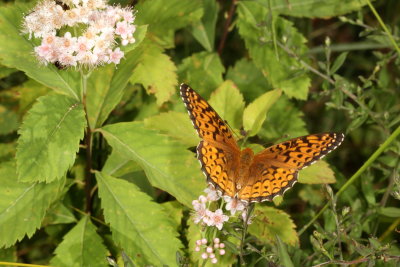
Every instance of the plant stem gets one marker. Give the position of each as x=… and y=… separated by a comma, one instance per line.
x=226, y=27
x=384, y=26
x=244, y=231
x=88, y=145
x=371, y=159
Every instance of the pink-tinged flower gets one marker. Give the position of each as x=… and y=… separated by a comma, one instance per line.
x=115, y=56
x=204, y=241
x=67, y=43
x=67, y=60
x=218, y=218
x=204, y=256
x=216, y=240
x=212, y=194
x=209, y=249
x=222, y=245
x=214, y=260
x=197, y=249
x=234, y=204
x=221, y=251
x=202, y=199
x=122, y=29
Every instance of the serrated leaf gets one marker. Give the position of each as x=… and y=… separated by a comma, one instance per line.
x=165, y=17
x=202, y=71
x=248, y=78
x=168, y=165
x=22, y=205
x=204, y=30
x=174, y=210
x=139, y=225
x=28, y=93
x=284, y=257
x=269, y=222
x=256, y=112
x=276, y=126
x=318, y=173
x=17, y=52
x=49, y=138
x=314, y=8
x=281, y=69
x=174, y=124
x=228, y=103
x=81, y=246
x=156, y=71
x=58, y=214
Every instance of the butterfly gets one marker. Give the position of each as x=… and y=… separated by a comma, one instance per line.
x=240, y=173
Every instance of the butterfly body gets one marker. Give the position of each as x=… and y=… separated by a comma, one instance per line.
x=240, y=173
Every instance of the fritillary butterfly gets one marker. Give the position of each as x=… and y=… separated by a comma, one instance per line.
x=241, y=173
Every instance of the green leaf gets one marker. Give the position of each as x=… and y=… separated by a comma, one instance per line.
x=8, y=254
x=139, y=225
x=168, y=165
x=204, y=30
x=175, y=212
x=156, y=71
x=390, y=212
x=22, y=205
x=314, y=8
x=284, y=257
x=81, y=246
x=176, y=125
x=9, y=120
x=49, y=138
x=202, y=71
x=17, y=52
x=28, y=93
x=139, y=36
x=4, y=71
x=280, y=68
x=248, y=78
x=165, y=17
x=318, y=173
x=58, y=214
x=269, y=222
x=228, y=103
x=275, y=127
x=256, y=112
x=338, y=62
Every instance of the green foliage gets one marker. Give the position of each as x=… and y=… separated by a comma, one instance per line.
x=81, y=246
x=150, y=237
x=49, y=138
x=98, y=162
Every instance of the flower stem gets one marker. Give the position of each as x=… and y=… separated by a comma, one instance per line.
x=244, y=231
x=88, y=144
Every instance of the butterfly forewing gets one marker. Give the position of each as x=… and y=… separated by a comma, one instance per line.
x=218, y=151
x=274, y=170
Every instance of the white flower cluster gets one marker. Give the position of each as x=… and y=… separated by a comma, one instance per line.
x=100, y=26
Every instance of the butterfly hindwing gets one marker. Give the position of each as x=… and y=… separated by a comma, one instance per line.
x=275, y=169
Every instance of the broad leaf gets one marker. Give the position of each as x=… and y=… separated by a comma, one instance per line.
x=256, y=112
x=9, y=120
x=314, y=8
x=49, y=138
x=284, y=121
x=228, y=103
x=318, y=173
x=106, y=85
x=284, y=257
x=28, y=93
x=168, y=165
x=22, y=205
x=248, y=78
x=81, y=246
x=17, y=52
x=269, y=222
x=139, y=225
x=204, y=30
x=156, y=71
x=280, y=68
x=165, y=17
x=202, y=71
x=174, y=124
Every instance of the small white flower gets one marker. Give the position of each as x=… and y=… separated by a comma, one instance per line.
x=115, y=56
x=212, y=194
x=218, y=218
x=234, y=204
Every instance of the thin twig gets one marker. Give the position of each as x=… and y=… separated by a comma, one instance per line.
x=226, y=27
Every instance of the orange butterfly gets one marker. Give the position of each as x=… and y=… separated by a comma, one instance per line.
x=241, y=173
